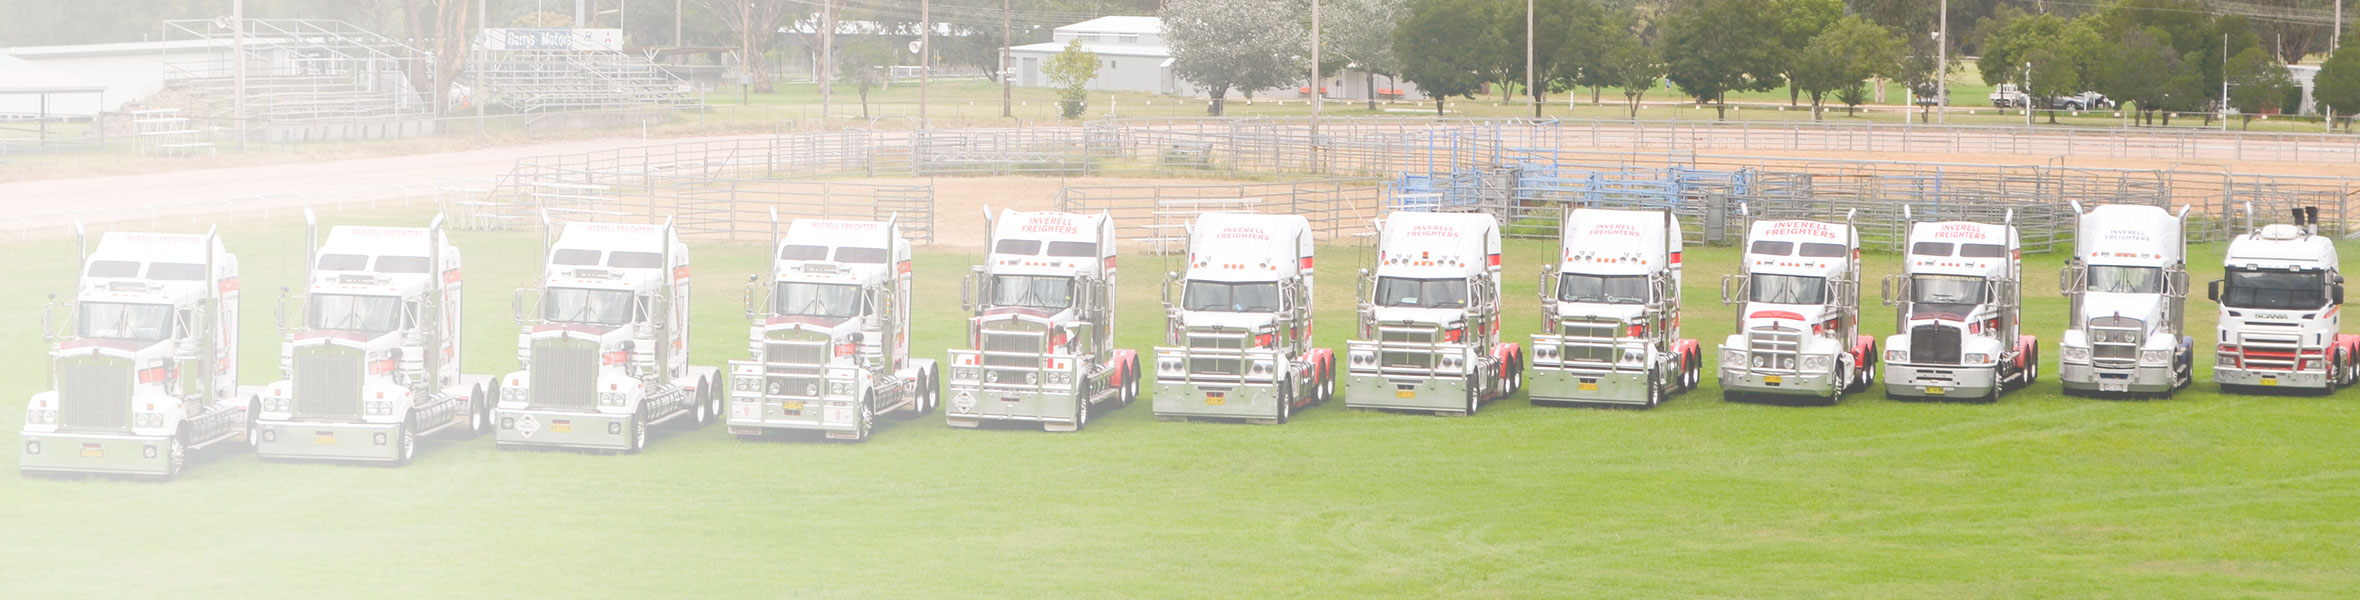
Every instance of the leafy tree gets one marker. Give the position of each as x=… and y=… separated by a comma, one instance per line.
x=2064, y=56
x=1245, y=45
x=1442, y=48
x=1713, y=47
x=1597, y=37
x=2338, y=85
x=1849, y=53
x=1072, y=71
x=2257, y=82
x=753, y=27
x=2139, y=68
x=1797, y=23
x=1361, y=32
x=866, y=63
x=1629, y=65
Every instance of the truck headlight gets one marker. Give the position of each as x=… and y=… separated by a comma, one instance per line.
x=1732, y=356
x=1817, y=362
x=1896, y=356
x=2077, y=354
x=1450, y=362
x=1631, y=356
x=144, y=420
x=377, y=408
x=840, y=388
x=1541, y=352
x=1978, y=358
x=1031, y=378
x=2154, y=357
x=1364, y=358
x=991, y=377
x=511, y=394
x=40, y=417
x=610, y=398
x=747, y=384
x=1168, y=367
x=1761, y=361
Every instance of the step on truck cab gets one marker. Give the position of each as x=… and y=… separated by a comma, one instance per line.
x=604, y=349
x=144, y=361
x=1610, y=313
x=1041, y=338
x=1798, y=315
x=2280, y=297
x=830, y=344
x=1428, y=336
x=1956, y=303
x=2127, y=286
x=1239, y=339
x=371, y=358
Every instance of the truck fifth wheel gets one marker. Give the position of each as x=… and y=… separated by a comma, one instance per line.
x=1956, y=303
x=374, y=361
x=1042, y=334
x=1241, y=334
x=2279, y=299
x=2128, y=288
x=146, y=370
x=1798, y=316
x=830, y=343
x=1611, y=312
x=1429, y=330
x=605, y=346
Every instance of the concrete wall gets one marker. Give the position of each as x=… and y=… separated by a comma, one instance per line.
x=129, y=77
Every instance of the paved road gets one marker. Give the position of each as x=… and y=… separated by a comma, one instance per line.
x=47, y=203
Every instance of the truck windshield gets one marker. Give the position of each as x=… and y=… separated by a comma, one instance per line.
x=343, y=312
x=2125, y=280
x=1602, y=289
x=1946, y=289
x=1032, y=291
x=116, y=321
x=1421, y=293
x=830, y=300
x=1215, y=296
x=1789, y=289
x=2273, y=289
x=575, y=305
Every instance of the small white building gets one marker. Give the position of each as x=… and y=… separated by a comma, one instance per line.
x=1132, y=56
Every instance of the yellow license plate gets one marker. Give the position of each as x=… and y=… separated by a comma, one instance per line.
x=1588, y=387
x=94, y=453
x=798, y=405
x=1405, y=393
x=1215, y=400
x=2269, y=381
x=561, y=428
x=323, y=440
x=1771, y=379
x=1933, y=390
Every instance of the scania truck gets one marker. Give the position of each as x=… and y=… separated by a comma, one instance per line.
x=2280, y=297
x=1956, y=305
x=144, y=366
x=605, y=345
x=830, y=342
x=1798, y=316
x=1041, y=332
x=1429, y=328
x=1239, y=340
x=1610, y=313
x=372, y=358
x=2127, y=286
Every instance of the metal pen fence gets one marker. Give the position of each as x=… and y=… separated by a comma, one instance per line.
x=1157, y=216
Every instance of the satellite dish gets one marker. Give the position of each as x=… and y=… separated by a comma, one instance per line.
x=915, y=45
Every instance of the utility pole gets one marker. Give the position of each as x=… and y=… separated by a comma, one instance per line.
x=925, y=55
x=1529, y=75
x=237, y=57
x=827, y=56
x=1007, y=65
x=678, y=8
x=1317, y=81
x=476, y=96
x=2338, y=40
x=1942, y=67
x=2224, y=108
x=581, y=13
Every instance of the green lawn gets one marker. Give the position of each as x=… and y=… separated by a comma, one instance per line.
x=2039, y=495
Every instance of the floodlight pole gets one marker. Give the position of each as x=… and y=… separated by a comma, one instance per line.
x=237, y=57
x=1942, y=67
x=1007, y=64
x=925, y=55
x=476, y=96
x=1529, y=75
x=1316, y=80
x=827, y=57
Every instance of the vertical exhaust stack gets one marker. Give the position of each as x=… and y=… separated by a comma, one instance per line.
x=2311, y=219
x=206, y=370
x=311, y=246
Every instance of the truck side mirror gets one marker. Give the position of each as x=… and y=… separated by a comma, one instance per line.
x=1166, y=289
x=2212, y=291
x=1360, y=286
x=967, y=289
x=1725, y=295
x=516, y=304
x=2336, y=293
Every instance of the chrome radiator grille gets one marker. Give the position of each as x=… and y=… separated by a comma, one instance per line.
x=328, y=381
x=1025, y=346
x=1774, y=348
x=1934, y=345
x=564, y=373
x=94, y=393
x=2114, y=341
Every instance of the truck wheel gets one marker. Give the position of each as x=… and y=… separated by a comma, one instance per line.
x=405, y=442
x=479, y=412
x=1131, y=384
x=254, y=422
x=702, y=408
x=868, y=420
x=1474, y=395
x=1835, y=395
x=637, y=429
x=1081, y=413
x=1327, y=380
x=176, y=457
x=1654, y=391
x=1286, y=403
x=1695, y=370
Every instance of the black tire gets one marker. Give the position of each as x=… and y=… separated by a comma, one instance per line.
x=1654, y=391
x=1286, y=402
x=1132, y=383
x=636, y=430
x=479, y=413
x=1474, y=394
x=868, y=420
x=405, y=442
x=253, y=422
x=1835, y=396
x=176, y=457
x=703, y=412
x=1081, y=413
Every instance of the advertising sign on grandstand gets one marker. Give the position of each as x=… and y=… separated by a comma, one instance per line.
x=550, y=38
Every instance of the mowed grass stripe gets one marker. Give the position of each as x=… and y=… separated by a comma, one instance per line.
x=2205, y=495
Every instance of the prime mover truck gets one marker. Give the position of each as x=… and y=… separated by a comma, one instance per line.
x=1798, y=314
x=829, y=348
x=1610, y=313
x=2280, y=297
x=1957, y=303
x=1041, y=331
x=1429, y=329
x=1239, y=339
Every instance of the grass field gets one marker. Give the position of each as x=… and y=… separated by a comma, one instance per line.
x=2203, y=496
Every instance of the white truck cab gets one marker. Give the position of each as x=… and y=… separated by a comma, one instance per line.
x=1430, y=312
x=2127, y=285
x=829, y=348
x=1798, y=299
x=1957, y=303
x=1041, y=335
x=1239, y=339
x=2280, y=297
x=1610, y=312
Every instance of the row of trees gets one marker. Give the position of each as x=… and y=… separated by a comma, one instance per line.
x=2158, y=56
